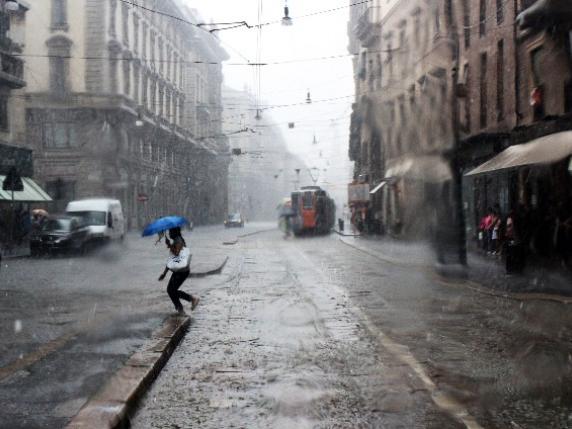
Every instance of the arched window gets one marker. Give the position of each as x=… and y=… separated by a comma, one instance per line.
x=59, y=49
x=60, y=15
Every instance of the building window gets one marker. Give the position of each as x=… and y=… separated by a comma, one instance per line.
x=59, y=48
x=169, y=60
x=181, y=111
x=467, y=23
x=500, y=11
x=59, y=135
x=500, y=80
x=161, y=55
x=4, y=113
x=135, y=33
x=449, y=12
x=483, y=88
x=59, y=15
x=363, y=66
x=467, y=100
x=437, y=21
x=536, y=56
x=113, y=71
x=112, y=18
x=168, y=105
x=417, y=28
x=175, y=68
x=126, y=76
x=482, y=18
x=153, y=107
x=125, y=23
x=161, y=100
x=175, y=105
x=568, y=96
x=144, y=90
x=144, y=35
x=389, y=60
x=535, y=60
x=152, y=44
x=412, y=99
x=402, y=114
x=136, y=81
x=379, y=71
x=61, y=190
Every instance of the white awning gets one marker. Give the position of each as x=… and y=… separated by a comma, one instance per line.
x=545, y=150
x=427, y=168
x=377, y=188
x=32, y=192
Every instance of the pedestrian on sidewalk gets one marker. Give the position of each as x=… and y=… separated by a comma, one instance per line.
x=179, y=264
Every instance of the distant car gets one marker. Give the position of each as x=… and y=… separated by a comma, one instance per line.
x=234, y=220
x=60, y=234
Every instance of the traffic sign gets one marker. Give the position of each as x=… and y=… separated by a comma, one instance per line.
x=13, y=181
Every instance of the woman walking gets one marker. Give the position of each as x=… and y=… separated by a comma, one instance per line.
x=179, y=263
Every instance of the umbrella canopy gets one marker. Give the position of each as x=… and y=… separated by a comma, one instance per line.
x=163, y=224
x=40, y=212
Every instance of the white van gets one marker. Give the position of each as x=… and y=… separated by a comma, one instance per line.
x=103, y=217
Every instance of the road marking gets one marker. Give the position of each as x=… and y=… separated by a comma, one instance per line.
x=35, y=356
x=443, y=400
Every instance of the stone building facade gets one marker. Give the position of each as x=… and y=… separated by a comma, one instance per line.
x=518, y=88
x=404, y=110
x=442, y=87
x=12, y=80
x=119, y=105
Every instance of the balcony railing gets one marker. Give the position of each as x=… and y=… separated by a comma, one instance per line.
x=366, y=29
x=11, y=70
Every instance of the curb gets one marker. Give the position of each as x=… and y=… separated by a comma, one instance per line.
x=110, y=407
x=469, y=284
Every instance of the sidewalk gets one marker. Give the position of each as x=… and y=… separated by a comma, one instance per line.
x=16, y=252
x=484, y=270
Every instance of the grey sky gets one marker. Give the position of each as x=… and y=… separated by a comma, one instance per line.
x=311, y=37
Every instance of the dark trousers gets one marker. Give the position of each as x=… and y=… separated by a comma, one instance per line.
x=175, y=294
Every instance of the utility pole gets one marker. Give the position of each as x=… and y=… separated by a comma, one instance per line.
x=455, y=158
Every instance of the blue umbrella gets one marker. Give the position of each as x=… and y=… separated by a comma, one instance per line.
x=163, y=224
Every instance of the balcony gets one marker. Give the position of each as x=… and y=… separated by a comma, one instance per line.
x=11, y=71
x=366, y=30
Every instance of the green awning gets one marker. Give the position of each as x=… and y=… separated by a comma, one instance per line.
x=32, y=192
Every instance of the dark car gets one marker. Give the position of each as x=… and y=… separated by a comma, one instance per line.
x=61, y=234
x=234, y=220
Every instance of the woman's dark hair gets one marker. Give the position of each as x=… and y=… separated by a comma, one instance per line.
x=176, y=232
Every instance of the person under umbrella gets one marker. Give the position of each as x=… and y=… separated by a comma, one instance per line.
x=179, y=265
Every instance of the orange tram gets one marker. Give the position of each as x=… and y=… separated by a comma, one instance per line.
x=313, y=211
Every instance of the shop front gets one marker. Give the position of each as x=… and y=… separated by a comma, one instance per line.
x=19, y=194
x=531, y=183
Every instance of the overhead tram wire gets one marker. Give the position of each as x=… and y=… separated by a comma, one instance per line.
x=237, y=23
x=157, y=61
x=185, y=21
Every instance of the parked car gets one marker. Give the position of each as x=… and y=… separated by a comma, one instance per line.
x=234, y=220
x=103, y=217
x=60, y=234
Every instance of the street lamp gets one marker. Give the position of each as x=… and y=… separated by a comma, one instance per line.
x=286, y=20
